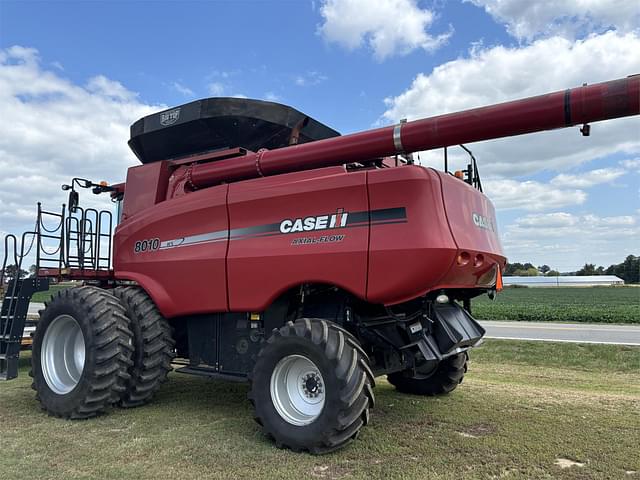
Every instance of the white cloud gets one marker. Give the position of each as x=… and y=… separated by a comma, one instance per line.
x=309, y=79
x=184, y=90
x=105, y=87
x=631, y=164
x=529, y=195
x=497, y=74
x=388, y=27
x=226, y=74
x=566, y=241
x=548, y=220
x=54, y=130
x=272, y=97
x=216, y=89
x=569, y=18
x=566, y=220
x=219, y=89
x=587, y=179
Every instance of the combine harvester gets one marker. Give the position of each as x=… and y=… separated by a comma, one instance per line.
x=255, y=243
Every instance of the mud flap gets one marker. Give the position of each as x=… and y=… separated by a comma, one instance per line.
x=454, y=328
x=451, y=330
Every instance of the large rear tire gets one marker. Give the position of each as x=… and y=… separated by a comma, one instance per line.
x=81, y=353
x=443, y=379
x=153, y=346
x=312, y=387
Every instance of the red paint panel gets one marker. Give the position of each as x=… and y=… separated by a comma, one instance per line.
x=472, y=220
x=146, y=185
x=186, y=279
x=407, y=259
x=462, y=202
x=260, y=268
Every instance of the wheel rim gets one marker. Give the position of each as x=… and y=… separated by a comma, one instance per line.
x=63, y=354
x=297, y=390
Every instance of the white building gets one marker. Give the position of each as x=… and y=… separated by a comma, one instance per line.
x=564, y=281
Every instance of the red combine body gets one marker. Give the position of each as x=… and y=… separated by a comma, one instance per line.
x=256, y=243
x=385, y=236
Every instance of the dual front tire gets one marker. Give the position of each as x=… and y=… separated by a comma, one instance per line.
x=91, y=350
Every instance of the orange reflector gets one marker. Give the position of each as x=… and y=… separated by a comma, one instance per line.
x=459, y=174
x=103, y=183
x=499, y=281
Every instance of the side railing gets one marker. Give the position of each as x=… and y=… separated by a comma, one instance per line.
x=68, y=245
x=63, y=241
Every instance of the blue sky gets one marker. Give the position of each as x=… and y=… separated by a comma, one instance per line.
x=263, y=47
x=562, y=199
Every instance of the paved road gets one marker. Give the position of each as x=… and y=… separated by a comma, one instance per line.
x=564, y=332
x=556, y=332
x=33, y=309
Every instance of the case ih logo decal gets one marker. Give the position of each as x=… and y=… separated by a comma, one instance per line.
x=482, y=222
x=322, y=222
x=330, y=221
x=170, y=117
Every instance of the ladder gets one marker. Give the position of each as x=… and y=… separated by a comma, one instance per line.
x=15, y=302
x=13, y=315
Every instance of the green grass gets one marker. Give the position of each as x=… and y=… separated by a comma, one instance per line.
x=562, y=304
x=41, y=297
x=521, y=407
x=578, y=356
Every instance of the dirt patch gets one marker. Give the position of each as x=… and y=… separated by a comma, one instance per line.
x=567, y=463
x=477, y=431
x=330, y=472
x=421, y=422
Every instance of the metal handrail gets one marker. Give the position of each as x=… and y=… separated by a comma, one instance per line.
x=84, y=229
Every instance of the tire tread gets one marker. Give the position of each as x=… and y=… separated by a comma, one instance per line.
x=153, y=336
x=350, y=364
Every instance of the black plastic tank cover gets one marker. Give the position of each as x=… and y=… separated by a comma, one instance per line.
x=219, y=123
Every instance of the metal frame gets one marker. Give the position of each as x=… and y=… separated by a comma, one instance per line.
x=87, y=229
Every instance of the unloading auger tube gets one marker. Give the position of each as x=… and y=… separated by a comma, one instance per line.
x=566, y=108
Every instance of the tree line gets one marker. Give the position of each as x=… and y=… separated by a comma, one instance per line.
x=628, y=270
x=11, y=271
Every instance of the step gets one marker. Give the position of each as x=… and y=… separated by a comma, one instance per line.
x=8, y=367
x=210, y=372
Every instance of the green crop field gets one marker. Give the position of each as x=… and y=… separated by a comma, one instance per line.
x=41, y=297
x=562, y=304
x=525, y=410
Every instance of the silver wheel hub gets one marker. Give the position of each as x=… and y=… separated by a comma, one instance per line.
x=63, y=354
x=297, y=390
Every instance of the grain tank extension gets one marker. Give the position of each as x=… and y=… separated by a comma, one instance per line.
x=253, y=243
